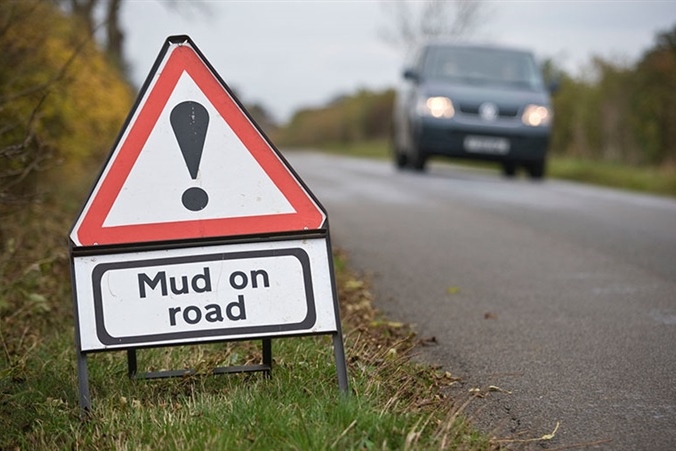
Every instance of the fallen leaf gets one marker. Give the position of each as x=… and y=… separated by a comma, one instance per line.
x=453, y=290
x=431, y=341
x=528, y=440
x=498, y=389
x=354, y=284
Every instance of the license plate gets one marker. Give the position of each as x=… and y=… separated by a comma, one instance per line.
x=487, y=145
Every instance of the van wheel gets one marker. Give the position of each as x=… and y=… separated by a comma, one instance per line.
x=418, y=160
x=509, y=169
x=400, y=158
x=536, y=169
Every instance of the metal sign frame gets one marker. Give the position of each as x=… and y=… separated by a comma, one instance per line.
x=131, y=346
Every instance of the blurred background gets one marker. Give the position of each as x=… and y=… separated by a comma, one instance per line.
x=313, y=74
x=321, y=73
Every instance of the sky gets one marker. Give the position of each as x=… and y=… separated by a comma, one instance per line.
x=288, y=55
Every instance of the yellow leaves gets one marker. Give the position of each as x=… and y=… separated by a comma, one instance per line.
x=91, y=103
x=476, y=391
x=53, y=72
x=446, y=379
x=354, y=284
x=498, y=389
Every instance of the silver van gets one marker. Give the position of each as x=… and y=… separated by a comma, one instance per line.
x=473, y=102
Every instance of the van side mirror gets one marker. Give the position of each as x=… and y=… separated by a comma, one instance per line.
x=411, y=75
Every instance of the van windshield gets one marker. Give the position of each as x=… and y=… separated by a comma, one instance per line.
x=482, y=66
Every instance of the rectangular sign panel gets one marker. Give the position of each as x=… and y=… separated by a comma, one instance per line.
x=216, y=292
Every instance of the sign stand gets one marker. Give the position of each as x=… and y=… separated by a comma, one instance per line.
x=265, y=366
x=197, y=230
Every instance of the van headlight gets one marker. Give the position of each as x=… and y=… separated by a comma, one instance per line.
x=438, y=107
x=536, y=115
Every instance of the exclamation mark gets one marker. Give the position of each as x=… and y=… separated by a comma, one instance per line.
x=190, y=121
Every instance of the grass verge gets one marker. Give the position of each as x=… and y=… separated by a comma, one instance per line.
x=395, y=403
x=661, y=181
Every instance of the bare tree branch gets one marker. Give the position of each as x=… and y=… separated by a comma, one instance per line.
x=114, y=34
x=411, y=22
x=27, y=156
x=89, y=10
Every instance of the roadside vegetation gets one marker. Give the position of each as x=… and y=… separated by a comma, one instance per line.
x=394, y=403
x=62, y=101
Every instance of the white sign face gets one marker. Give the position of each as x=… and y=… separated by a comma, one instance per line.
x=236, y=184
x=204, y=293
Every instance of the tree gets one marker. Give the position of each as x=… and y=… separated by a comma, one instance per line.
x=89, y=11
x=60, y=101
x=364, y=115
x=655, y=99
x=86, y=11
x=412, y=22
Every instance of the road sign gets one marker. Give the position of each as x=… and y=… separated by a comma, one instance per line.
x=190, y=164
x=198, y=230
x=196, y=294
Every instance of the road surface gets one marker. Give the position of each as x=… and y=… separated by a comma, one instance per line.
x=562, y=294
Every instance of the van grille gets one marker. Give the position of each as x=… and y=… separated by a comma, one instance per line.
x=505, y=112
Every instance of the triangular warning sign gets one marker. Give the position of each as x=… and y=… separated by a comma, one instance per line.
x=190, y=164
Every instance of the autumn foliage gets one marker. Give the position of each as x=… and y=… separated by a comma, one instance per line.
x=619, y=112
x=61, y=102
x=347, y=119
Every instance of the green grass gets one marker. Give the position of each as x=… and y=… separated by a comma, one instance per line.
x=660, y=181
x=636, y=178
x=394, y=403
x=298, y=408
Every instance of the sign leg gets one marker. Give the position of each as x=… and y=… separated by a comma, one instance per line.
x=83, y=384
x=131, y=363
x=267, y=356
x=341, y=366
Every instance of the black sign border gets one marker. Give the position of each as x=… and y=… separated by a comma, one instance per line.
x=222, y=333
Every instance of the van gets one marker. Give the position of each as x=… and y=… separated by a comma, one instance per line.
x=473, y=102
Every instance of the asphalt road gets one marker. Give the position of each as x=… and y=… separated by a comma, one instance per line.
x=562, y=294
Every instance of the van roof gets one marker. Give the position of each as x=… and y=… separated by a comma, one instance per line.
x=469, y=45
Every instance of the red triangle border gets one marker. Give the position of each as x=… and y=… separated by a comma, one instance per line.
x=183, y=58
